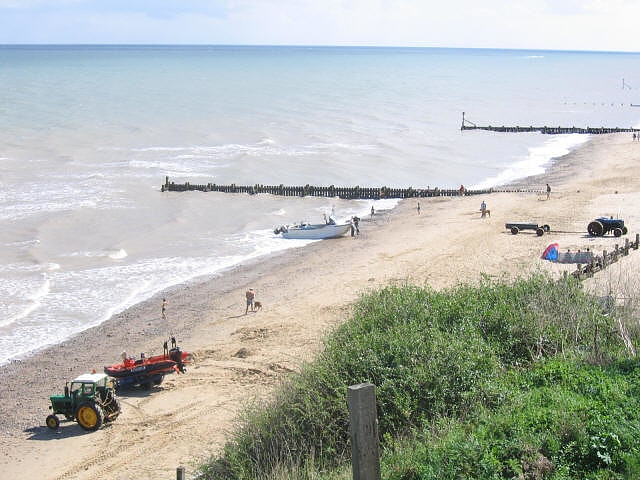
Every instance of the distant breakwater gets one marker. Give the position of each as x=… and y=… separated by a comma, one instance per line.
x=547, y=130
x=350, y=193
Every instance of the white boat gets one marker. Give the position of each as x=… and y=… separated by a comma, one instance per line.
x=313, y=231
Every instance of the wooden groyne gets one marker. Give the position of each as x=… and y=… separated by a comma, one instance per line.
x=600, y=262
x=349, y=193
x=467, y=125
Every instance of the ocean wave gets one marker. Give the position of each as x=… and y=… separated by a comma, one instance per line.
x=34, y=301
x=536, y=161
x=118, y=254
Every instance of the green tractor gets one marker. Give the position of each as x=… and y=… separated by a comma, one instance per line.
x=91, y=401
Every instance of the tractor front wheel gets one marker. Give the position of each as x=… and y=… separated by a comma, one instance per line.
x=89, y=416
x=595, y=228
x=52, y=422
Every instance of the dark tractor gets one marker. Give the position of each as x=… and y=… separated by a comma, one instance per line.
x=603, y=225
x=91, y=401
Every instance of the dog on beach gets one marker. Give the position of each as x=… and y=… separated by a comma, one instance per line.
x=257, y=306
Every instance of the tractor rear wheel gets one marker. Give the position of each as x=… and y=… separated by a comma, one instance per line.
x=625, y=230
x=595, y=228
x=52, y=422
x=89, y=416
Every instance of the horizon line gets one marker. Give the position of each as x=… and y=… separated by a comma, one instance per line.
x=250, y=45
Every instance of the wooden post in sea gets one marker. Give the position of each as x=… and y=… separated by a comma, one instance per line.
x=363, y=426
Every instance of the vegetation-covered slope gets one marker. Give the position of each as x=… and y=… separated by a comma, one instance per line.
x=529, y=379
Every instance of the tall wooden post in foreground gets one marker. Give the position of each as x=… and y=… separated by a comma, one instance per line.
x=363, y=426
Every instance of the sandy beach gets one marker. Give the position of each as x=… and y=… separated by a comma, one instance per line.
x=241, y=358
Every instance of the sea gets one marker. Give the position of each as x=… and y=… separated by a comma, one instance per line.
x=88, y=135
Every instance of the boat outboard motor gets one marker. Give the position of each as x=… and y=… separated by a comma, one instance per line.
x=176, y=355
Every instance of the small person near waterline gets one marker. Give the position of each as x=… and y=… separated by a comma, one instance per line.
x=164, y=308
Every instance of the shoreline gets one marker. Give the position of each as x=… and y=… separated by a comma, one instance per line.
x=305, y=292
x=206, y=278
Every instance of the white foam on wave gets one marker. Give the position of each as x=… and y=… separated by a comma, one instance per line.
x=34, y=301
x=182, y=158
x=118, y=254
x=537, y=160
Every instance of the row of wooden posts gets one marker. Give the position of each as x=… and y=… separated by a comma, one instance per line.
x=467, y=125
x=600, y=262
x=350, y=193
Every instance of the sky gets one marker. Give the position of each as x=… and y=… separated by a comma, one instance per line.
x=601, y=25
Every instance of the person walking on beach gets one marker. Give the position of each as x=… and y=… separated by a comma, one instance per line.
x=355, y=221
x=548, y=191
x=250, y=294
x=372, y=211
x=418, y=208
x=164, y=308
x=483, y=209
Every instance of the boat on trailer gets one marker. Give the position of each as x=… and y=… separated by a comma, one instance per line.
x=148, y=371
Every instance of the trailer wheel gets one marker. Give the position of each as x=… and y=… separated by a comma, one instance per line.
x=595, y=228
x=514, y=230
x=617, y=232
x=52, y=422
x=539, y=231
x=89, y=416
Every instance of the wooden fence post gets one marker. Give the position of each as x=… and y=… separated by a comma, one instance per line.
x=363, y=426
x=180, y=473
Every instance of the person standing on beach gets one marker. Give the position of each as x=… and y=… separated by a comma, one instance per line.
x=164, y=308
x=548, y=191
x=372, y=211
x=250, y=294
x=418, y=208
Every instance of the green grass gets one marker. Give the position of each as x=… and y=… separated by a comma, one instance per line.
x=525, y=380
